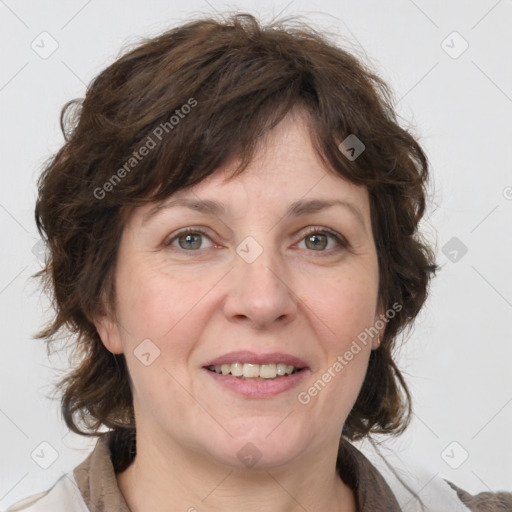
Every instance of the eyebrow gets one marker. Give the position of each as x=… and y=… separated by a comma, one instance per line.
x=298, y=208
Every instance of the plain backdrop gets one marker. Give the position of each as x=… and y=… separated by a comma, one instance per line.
x=450, y=66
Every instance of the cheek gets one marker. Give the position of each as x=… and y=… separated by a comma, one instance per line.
x=344, y=309
x=166, y=311
x=345, y=306
x=152, y=303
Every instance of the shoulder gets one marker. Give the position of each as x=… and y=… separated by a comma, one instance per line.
x=64, y=496
x=484, y=501
x=409, y=479
x=90, y=486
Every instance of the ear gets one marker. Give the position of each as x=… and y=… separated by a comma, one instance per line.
x=108, y=330
x=379, y=323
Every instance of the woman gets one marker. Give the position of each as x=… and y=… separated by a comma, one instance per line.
x=232, y=225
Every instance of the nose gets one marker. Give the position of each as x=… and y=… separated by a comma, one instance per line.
x=260, y=292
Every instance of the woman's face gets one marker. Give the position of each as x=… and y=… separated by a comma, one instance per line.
x=256, y=287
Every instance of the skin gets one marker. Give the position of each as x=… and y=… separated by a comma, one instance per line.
x=195, y=305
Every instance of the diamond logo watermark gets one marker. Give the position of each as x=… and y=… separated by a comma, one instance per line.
x=454, y=249
x=454, y=45
x=44, y=45
x=249, y=455
x=454, y=455
x=39, y=250
x=249, y=249
x=351, y=147
x=44, y=455
x=147, y=352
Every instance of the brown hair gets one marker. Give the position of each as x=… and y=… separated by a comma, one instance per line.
x=237, y=79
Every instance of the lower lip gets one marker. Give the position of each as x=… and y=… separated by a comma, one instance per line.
x=258, y=388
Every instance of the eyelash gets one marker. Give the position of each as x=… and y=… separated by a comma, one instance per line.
x=342, y=242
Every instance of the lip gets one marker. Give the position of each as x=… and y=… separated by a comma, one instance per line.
x=258, y=388
x=246, y=356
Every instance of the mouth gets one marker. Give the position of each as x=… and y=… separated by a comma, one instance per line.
x=256, y=372
x=257, y=375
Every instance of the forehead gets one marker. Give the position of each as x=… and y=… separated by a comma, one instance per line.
x=285, y=177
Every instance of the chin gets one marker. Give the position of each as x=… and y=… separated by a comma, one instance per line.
x=260, y=445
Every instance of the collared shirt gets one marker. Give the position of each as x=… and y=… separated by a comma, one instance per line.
x=92, y=487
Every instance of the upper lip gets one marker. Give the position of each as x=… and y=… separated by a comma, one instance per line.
x=246, y=356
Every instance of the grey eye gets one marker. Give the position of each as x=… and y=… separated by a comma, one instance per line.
x=190, y=240
x=316, y=241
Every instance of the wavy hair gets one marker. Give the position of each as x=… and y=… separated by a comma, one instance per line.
x=244, y=78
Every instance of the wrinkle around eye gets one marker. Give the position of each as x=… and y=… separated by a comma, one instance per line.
x=340, y=242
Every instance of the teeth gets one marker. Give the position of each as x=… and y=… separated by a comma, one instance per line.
x=268, y=371
x=254, y=371
x=251, y=370
x=281, y=369
x=236, y=370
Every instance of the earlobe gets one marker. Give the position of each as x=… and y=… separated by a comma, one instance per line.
x=380, y=325
x=108, y=331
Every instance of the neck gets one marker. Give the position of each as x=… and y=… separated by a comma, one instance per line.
x=160, y=477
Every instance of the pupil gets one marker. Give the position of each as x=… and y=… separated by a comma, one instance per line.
x=316, y=237
x=190, y=238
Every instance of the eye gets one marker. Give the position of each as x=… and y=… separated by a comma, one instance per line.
x=189, y=239
x=317, y=239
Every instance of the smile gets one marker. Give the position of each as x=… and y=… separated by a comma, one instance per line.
x=256, y=375
x=246, y=371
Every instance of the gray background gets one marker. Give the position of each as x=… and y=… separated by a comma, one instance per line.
x=459, y=103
